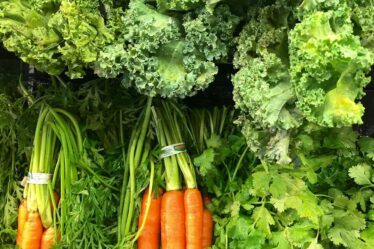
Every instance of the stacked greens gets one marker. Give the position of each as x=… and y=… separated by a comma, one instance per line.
x=285, y=168
x=158, y=51
x=299, y=64
x=172, y=56
x=54, y=36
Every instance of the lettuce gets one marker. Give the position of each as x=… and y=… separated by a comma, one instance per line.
x=328, y=68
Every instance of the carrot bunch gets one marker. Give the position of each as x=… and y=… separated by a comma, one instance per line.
x=30, y=233
x=57, y=146
x=181, y=213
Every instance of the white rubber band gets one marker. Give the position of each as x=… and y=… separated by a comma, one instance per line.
x=172, y=150
x=39, y=178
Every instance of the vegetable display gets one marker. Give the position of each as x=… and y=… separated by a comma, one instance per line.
x=105, y=141
x=181, y=210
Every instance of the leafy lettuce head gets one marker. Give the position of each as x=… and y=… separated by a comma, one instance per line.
x=328, y=68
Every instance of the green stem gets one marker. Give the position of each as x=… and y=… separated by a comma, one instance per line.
x=144, y=131
x=239, y=163
x=139, y=148
x=173, y=135
x=172, y=176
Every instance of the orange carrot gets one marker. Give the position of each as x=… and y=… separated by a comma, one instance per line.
x=173, y=231
x=32, y=232
x=207, y=228
x=193, y=203
x=150, y=235
x=22, y=218
x=49, y=238
x=57, y=199
x=207, y=224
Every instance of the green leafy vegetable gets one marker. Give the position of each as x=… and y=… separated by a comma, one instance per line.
x=328, y=69
x=164, y=59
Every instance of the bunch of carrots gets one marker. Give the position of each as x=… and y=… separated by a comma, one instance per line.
x=30, y=233
x=56, y=148
x=177, y=216
x=151, y=230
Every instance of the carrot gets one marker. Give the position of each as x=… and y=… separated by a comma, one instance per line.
x=57, y=199
x=49, y=239
x=207, y=228
x=32, y=232
x=207, y=224
x=193, y=203
x=150, y=235
x=173, y=231
x=22, y=218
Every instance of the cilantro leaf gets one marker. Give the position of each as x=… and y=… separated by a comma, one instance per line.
x=361, y=174
x=205, y=162
x=367, y=146
x=263, y=219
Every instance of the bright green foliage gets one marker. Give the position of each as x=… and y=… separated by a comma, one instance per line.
x=178, y=4
x=367, y=146
x=164, y=55
x=110, y=61
x=367, y=235
x=13, y=154
x=362, y=174
x=20, y=27
x=300, y=63
x=211, y=33
x=265, y=31
x=84, y=34
x=263, y=90
x=41, y=5
x=54, y=36
x=262, y=87
x=328, y=69
x=363, y=18
x=361, y=12
x=267, y=144
x=310, y=203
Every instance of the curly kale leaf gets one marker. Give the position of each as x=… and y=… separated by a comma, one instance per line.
x=155, y=57
x=263, y=90
x=266, y=31
x=363, y=18
x=84, y=34
x=262, y=86
x=328, y=69
x=361, y=12
x=167, y=57
x=54, y=36
x=169, y=72
x=269, y=145
x=211, y=33
x=145, y=27
x=23, y=31
x=179, y=4
x=43, y=5
x=110, y=61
